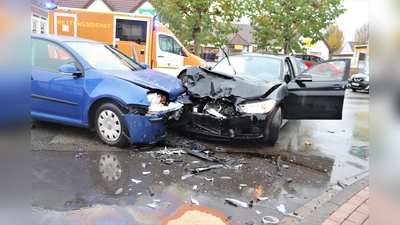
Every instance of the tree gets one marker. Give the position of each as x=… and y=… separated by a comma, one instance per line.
x=335, y=37
x=281, y=24
x=201, y=21
x=361, y=36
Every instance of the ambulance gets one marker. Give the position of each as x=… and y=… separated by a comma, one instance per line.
x=140, y=37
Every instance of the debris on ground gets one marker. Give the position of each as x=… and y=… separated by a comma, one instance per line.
x=289, y=180
x=337, y=188
x=236, y=203
x=262, y=198
x=270, y=220
x=146, y=172
x=289, y=195
x=285, y=166
x=166, y=172
x=186, y=176
x=307, y=143
x=341, y=184
x=78, y=155
x=201, y=169
x=281, y=208
x=150, y=191
x=226, y=178
x=331, y=131
x=143, y=165
x=136, y=181
x=119, y=191
x=194, y=201
x=278, y=163
x=152, y=205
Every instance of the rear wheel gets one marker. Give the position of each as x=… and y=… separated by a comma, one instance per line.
x=109, y=125
x=271, y=133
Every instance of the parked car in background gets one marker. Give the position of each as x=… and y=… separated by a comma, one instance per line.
x=247, y=96
x=360, y=82
x=88, y=84
x=308, y=59
x=303, y=66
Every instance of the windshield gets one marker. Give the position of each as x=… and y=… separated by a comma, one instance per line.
x=250, y=65
x=103, y=57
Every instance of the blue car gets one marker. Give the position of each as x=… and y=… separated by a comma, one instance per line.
x=88, y=84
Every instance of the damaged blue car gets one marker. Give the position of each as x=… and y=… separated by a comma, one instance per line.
x=88, y=84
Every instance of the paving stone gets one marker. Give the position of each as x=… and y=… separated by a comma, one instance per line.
x=330, y=222
x=339, y=216
x=348, y=207
x=357, y=217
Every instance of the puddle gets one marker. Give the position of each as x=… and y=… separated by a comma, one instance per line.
x=196, y=214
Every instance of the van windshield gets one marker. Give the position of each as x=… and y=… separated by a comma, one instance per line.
x=103, y=57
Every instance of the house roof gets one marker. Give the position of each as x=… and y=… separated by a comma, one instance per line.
x=350, y=43
x=238, y=40
x=114, y=5
x=245, y=31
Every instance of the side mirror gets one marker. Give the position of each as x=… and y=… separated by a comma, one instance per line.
x=145, y=65
x=69, y=70
x=303, y=78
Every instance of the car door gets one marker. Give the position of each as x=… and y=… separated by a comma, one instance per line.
x=169, y=52
x=316, y=94
x=54, y=96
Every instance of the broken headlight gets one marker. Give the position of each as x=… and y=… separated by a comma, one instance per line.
x=258, y=107
x=159, y=104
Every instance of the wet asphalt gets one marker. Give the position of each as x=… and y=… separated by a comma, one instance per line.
x=78, y=180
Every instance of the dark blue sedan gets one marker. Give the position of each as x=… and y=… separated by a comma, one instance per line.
x=88, y=84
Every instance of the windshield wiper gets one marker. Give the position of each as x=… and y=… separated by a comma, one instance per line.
x=226, y=55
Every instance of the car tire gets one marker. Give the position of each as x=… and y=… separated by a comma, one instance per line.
x=109, y=125
x=182, y=76
x=271, y=133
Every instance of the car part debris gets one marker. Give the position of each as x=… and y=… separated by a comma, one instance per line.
x=78, y=155
x=251, y=204
x=281, y=208
x=119, y=191
x=278, y=163
x=268, y=174
x=341, y=184
x=243, y=185
x=136, y=181
x=285, y=166
x=186, y=176
x=139, y=193
x=337, y=188
x=152, y=205
x=270, y=220
x=194, y=201
x=307, y=143
x=262, y=198
x=150, y=191
x=289, y=180
x=146, y=172
x=166, y=172
x=258, y=212
x=226, y=178
x=236, y=203
x=194, y=187
x=201, y=169
x=210, y=179
x=143, y=165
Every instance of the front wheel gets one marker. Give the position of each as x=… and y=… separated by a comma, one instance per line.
x=271, y=133
x=109, y=125
x=182, y=76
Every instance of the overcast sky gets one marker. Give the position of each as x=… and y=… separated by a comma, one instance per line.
x=355, y=16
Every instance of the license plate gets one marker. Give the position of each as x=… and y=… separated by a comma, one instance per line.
x=355, y=84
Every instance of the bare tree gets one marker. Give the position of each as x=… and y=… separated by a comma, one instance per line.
x=361, y=35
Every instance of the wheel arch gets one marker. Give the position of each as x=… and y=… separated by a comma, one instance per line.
x=96, y=104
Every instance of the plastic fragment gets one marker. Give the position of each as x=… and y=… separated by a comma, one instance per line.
x=78, y=155
x=150, y=191
x=119, y=191
x=342, y=185
x=289, y=180
x=136, y=181
x=143, y=165
x=289, y=195
x=236, y=203
x=258, y=212
x=152, y=205
x=270, y=220
x=226, y=178
x=262, y=198
x=307, y=143
x=281, y=208
x=285, y=166
x=194, y=201
x=194, y=187
x=166, y=172
x=186, y=176
x=210, y=179
x=145, y=173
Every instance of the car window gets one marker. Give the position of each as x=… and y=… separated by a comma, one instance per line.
x=327, y=71
x=296, y=66
x=247, y=65
x=169, y=44
x=49, y=56
x=104, y=57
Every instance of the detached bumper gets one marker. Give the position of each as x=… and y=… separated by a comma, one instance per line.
x=148, y=129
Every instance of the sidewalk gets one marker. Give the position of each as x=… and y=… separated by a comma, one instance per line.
x=354, y=211
x=349, y=206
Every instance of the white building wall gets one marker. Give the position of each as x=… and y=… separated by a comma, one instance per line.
x=39, y=23
x=99, y=5
x=320, y=49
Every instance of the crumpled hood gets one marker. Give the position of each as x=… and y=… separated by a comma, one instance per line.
x=205, y=83
x=153, y=80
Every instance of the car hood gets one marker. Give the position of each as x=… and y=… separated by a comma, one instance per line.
x=360, y=75
x=206, y=83
x=152, y=79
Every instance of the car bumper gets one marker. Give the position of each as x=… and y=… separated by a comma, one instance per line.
x=359, y=85
x=247, y=126
x=148, y=129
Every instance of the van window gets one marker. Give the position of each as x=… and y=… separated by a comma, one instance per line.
x=131, y=30
x=169, y=44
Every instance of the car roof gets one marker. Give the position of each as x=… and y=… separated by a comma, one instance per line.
x=61, y=38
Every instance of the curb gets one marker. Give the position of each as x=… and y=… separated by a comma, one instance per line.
x=316, y=211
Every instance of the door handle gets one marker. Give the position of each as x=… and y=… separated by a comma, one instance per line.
x=160, y=56
x=337, y=86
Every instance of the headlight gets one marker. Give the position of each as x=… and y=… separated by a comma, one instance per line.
x=159, y=104
x=367, y=79
x=258, y=107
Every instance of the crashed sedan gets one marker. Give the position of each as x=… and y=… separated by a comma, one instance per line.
x=88, y=84
x=248, y=96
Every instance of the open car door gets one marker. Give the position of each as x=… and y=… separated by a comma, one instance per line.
x=318, y=92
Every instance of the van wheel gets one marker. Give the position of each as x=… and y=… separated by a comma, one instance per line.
x=109, y=125
x=182, y=76
x=271, y=133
